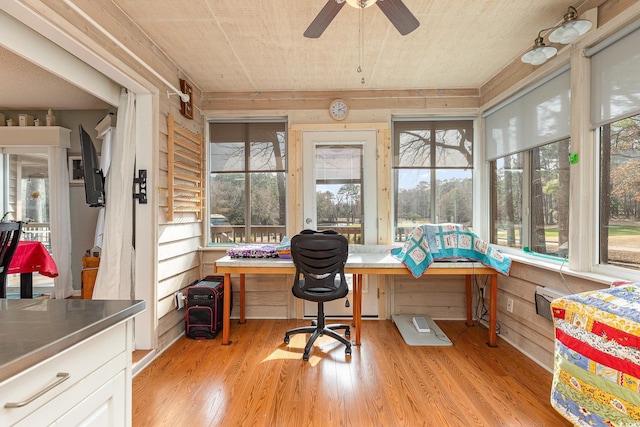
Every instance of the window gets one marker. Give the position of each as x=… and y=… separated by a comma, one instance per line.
x=527, y=145
x=615, y=106
x=247, y=173
x=532, y=187
x=620, y=193
x=432, y=167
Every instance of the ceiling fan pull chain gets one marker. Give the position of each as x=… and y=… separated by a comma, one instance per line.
x=361, y=42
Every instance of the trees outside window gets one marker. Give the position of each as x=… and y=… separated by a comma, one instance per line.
x=620, y=193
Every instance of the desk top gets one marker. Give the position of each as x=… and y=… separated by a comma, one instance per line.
x=360, y=258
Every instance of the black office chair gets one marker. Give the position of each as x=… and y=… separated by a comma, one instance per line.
x=320, y=258
x=9, y=237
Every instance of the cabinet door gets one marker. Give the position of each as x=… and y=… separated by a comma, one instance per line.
x=103, y=407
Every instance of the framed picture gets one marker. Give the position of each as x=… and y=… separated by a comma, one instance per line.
x=186, y=108
x=76, y=171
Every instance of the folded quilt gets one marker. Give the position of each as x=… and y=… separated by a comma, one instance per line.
x=596, y=378
x=434, y=242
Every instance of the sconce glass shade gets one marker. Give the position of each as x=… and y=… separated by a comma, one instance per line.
x=571, y=28
x=360, y=4
x=539, y=53
x=570, y=31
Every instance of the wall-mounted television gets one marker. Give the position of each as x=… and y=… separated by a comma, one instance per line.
x=93, y=176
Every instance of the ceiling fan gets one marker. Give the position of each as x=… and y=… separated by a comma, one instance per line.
x=395, y=10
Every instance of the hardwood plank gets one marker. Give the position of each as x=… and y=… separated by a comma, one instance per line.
x=260, y=381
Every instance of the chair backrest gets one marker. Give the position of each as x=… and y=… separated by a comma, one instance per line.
x=9, y=237
x=320, y=257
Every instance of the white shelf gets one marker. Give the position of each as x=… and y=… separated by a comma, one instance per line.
x=35, y=135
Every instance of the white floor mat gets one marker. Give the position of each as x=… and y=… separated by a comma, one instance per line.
x=435, y=337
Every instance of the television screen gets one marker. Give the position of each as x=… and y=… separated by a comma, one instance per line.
x=93, y=177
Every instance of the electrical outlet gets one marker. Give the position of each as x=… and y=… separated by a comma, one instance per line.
x=179, y=296
x=510, y=305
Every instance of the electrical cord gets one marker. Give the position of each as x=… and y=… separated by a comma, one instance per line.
x=481, y=308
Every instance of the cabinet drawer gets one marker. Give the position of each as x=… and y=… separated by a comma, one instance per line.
x=77, y=361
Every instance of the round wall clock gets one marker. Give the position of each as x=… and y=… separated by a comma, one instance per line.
x=338, y=109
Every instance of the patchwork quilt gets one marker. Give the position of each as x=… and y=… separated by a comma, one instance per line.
x=436, y=242
x=597, y=357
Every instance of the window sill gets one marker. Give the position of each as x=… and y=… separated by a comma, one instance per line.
x=561, y=267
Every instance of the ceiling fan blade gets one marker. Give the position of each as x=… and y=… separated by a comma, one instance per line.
x=399, y=15
x=324, y=18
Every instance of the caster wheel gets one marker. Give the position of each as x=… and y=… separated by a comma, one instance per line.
x=286, y=339
x=347, y=351
x=305, y=357
x=347, y=333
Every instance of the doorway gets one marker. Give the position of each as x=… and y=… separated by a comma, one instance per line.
x=26, y=197
x=339, y=178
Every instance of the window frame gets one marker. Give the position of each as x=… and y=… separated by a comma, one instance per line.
x=247, y=173
x=448, y=122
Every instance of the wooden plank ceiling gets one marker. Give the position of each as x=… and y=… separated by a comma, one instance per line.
x=257, y=45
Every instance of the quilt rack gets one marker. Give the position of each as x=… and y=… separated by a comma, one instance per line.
x=185, y=173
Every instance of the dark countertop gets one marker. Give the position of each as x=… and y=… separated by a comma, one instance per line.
x=34, y=330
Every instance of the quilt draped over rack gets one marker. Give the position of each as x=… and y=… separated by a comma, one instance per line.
x=435, y=242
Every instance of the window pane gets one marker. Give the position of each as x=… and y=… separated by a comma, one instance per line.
x=550, y=199
x=433, y=144
x=226, y=156
x=413, y=200
x=267, y=141
x=620, y=193
x=268, y=199
x=226, y=204
x=507, y=200
x=454, y=196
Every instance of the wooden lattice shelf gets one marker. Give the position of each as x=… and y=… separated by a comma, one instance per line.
x=186, y=175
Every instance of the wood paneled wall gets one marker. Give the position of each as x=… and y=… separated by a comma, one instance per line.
x=523, y=328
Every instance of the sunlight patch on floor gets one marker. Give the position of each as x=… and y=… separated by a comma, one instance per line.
x=296, y=345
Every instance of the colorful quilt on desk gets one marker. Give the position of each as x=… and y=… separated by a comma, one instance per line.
x=597, y=357
x=433, y=242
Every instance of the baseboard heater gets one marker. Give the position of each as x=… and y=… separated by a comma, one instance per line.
x=543, y=298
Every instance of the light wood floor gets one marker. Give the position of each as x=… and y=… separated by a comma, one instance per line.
x=260, y=381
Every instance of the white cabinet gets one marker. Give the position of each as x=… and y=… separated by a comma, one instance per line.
x=88, y=384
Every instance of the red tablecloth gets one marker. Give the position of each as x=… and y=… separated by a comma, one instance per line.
x=32, y=257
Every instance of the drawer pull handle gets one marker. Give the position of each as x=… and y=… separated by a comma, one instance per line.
x=62, y=377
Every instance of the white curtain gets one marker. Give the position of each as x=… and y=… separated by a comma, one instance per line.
x=60, y=221
x=115, y=275
x=105, y=161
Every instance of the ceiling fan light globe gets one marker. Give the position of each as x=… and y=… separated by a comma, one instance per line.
x=360, y=4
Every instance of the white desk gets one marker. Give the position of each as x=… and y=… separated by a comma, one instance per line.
x=362, y=260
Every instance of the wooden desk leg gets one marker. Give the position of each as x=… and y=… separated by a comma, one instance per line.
x=493, y=310
x=242, y=300
x=469, y=295
x=357, y=305
x=226, y=309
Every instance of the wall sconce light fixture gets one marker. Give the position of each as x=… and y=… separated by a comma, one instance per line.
x=569, y=31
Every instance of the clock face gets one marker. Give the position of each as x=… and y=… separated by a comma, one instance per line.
x=338, y=109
